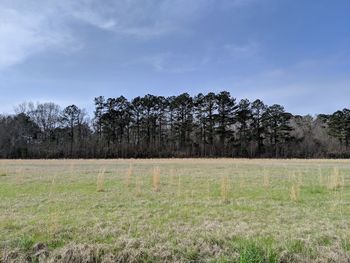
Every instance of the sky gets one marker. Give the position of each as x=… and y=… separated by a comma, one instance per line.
x=291, y=52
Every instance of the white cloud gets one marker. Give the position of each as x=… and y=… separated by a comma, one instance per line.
x=146, y=19
x=33, y=26
x=24, y=33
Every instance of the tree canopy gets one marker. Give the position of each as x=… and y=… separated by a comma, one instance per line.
x=205, y=125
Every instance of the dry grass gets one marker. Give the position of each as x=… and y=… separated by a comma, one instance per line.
x=335, y=180
x=294, y=193
x=128, y=177
x=266, y=181
x=138, y=187
x=179, y=186
x=53, y=224
x=100, y=183
x=156, y=179
x=278, y=211
x=320, y=176
x=172, y=173
x=208, y=189
x=225, y=190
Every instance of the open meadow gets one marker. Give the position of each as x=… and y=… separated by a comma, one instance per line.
x=175, y=210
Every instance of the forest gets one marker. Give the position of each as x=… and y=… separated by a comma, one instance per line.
x=205, y=125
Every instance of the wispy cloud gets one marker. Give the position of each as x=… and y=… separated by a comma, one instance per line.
x=33, y=26
x=146, y=19
x=37, y=26
x=23, y=34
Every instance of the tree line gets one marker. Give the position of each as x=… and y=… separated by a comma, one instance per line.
x=205, y=125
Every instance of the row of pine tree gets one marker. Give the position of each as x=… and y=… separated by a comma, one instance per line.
x=205, y=125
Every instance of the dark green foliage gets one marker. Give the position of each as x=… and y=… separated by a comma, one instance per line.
x=339, y=126
x=276, y=123
x=258, y=109
x=225, y=117
x=243, y=123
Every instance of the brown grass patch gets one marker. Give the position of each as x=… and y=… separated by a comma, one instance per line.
x=100, y=183
x=156, y=179
x=294, y=193
x=225, y=190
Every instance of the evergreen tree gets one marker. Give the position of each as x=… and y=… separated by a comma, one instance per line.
x=226, y=107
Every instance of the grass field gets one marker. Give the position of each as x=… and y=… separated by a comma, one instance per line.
x=173, y=210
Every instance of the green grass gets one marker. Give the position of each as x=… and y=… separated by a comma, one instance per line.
x=57, y=203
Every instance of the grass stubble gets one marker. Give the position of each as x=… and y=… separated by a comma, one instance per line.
x=196, y=215
x=100, y=182
x=156, y=179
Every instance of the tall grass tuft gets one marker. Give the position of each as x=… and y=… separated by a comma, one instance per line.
x=138, y=187
x=52, y=221
x=128, y=177
x=179, y=186
x=320, y=176
x=156, y=179
x=335, y=180
x=53, y=224
x=266, y=181
x=225, y=190
x=100, y=183
x=172, y=176
x=208, y=189
x=295, y=193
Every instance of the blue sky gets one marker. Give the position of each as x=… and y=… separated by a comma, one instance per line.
x=292, y=52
